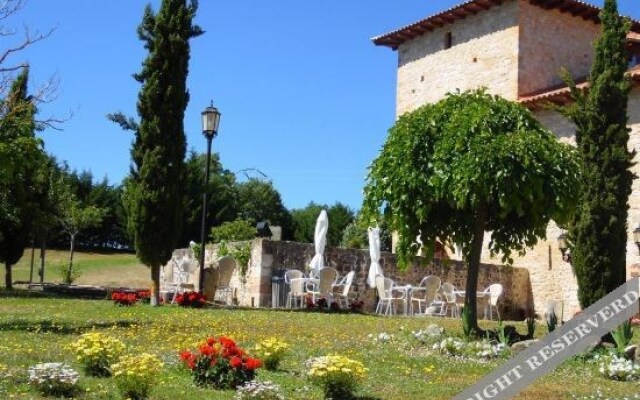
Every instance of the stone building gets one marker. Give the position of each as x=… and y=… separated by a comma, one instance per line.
x=516, y=49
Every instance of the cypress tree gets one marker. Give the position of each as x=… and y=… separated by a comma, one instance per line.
x=19, y=187
x=154, y=192
x=599, y=231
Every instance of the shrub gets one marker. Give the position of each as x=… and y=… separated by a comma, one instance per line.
x=135, y=375
x=337, y=375
x=191, y=299
x=259, y=391
x=220, y=363
x=68, y=276
x=619, y=368
x=271, y=351
x=96, y=352
x=124, y=299
x=54, y=379
x=233, y=231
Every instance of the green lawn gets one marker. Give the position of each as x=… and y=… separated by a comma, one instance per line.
x=36, y=330
x=108, y=269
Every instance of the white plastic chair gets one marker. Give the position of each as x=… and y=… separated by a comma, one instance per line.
x=328, y=276
x=388, y=297
x=492, y=295
x=448, y=300
x=425, y=294
x=341, y=290
x=226, y=266
x=295, y=279
x=182, y=277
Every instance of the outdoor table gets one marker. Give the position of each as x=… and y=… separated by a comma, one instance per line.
x=407, y=297
x=306, y=282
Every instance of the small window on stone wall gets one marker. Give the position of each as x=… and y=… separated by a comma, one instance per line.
x=448, y=40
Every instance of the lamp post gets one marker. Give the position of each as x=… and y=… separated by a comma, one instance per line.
x=636, y=236
x=564, y=247
x=210, y=122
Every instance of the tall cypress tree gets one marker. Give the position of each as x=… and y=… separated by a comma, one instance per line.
x=599, y=232
x=155, y=188
x=19, y=187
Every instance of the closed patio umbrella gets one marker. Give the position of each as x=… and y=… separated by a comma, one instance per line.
x=374, y=252
x=320, y=241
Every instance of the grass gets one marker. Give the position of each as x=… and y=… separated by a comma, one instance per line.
x=106, y=269
x=40, y=330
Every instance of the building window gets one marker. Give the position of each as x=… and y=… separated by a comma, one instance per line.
x=448, y=40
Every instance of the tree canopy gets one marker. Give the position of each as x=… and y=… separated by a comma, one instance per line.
x=471, y=163
x=598, y=235
x=154, y=191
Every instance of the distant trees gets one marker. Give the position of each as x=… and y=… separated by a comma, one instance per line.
x=304, y=222
x=20, y=176
x=154, y=193
x=598, y=235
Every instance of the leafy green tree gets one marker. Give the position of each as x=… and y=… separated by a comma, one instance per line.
x=260, y=201
x=154, y=192
x=340, y=216
x=599, y=231
x=355, y=235
x=233, y=231
x=304, y=222
x=74, y=217
x=20, y=176
x=468, y=164
x=223, y=204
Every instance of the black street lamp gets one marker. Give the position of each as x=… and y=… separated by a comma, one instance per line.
x=210, y=122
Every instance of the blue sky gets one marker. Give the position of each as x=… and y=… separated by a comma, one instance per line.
x=305, y=96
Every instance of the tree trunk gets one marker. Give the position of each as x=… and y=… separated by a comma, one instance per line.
x=33, y=255
x=155, y=289
x=473, y=269
x=43, y=250
x=70, y=271
x=8, y=279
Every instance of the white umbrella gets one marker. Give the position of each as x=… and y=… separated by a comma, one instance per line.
x=320, y=241
x=374, y=252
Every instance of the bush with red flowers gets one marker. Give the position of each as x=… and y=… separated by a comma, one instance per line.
x=124, y=299
x=191, y=299
x=356, y=305
x=221, y=364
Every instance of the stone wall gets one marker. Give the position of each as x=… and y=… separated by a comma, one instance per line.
x=549, y=41
x=484, y=53
x=552, y=278
x=268, y=258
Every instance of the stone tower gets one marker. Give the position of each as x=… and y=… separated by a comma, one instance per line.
x=516, y=49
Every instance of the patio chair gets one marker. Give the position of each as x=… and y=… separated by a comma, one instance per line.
x=328, y=276
x=295, y=280
x=425, y=294
x=388, y=296
x=217, y=281
x=341, y=290
x=185, y=280
x=492, y=295
x=448, y=300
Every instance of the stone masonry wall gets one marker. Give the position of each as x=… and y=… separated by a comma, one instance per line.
x=549, y=41
x=269, y=258
x=552, y=278
x=484, y=53
x=290, y=255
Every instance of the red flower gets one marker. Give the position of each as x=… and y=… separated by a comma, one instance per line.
x=226, y=342
x=185, y=355
x=211, y=341
x=206, y=350
x=252, y=364
x=235, y=362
